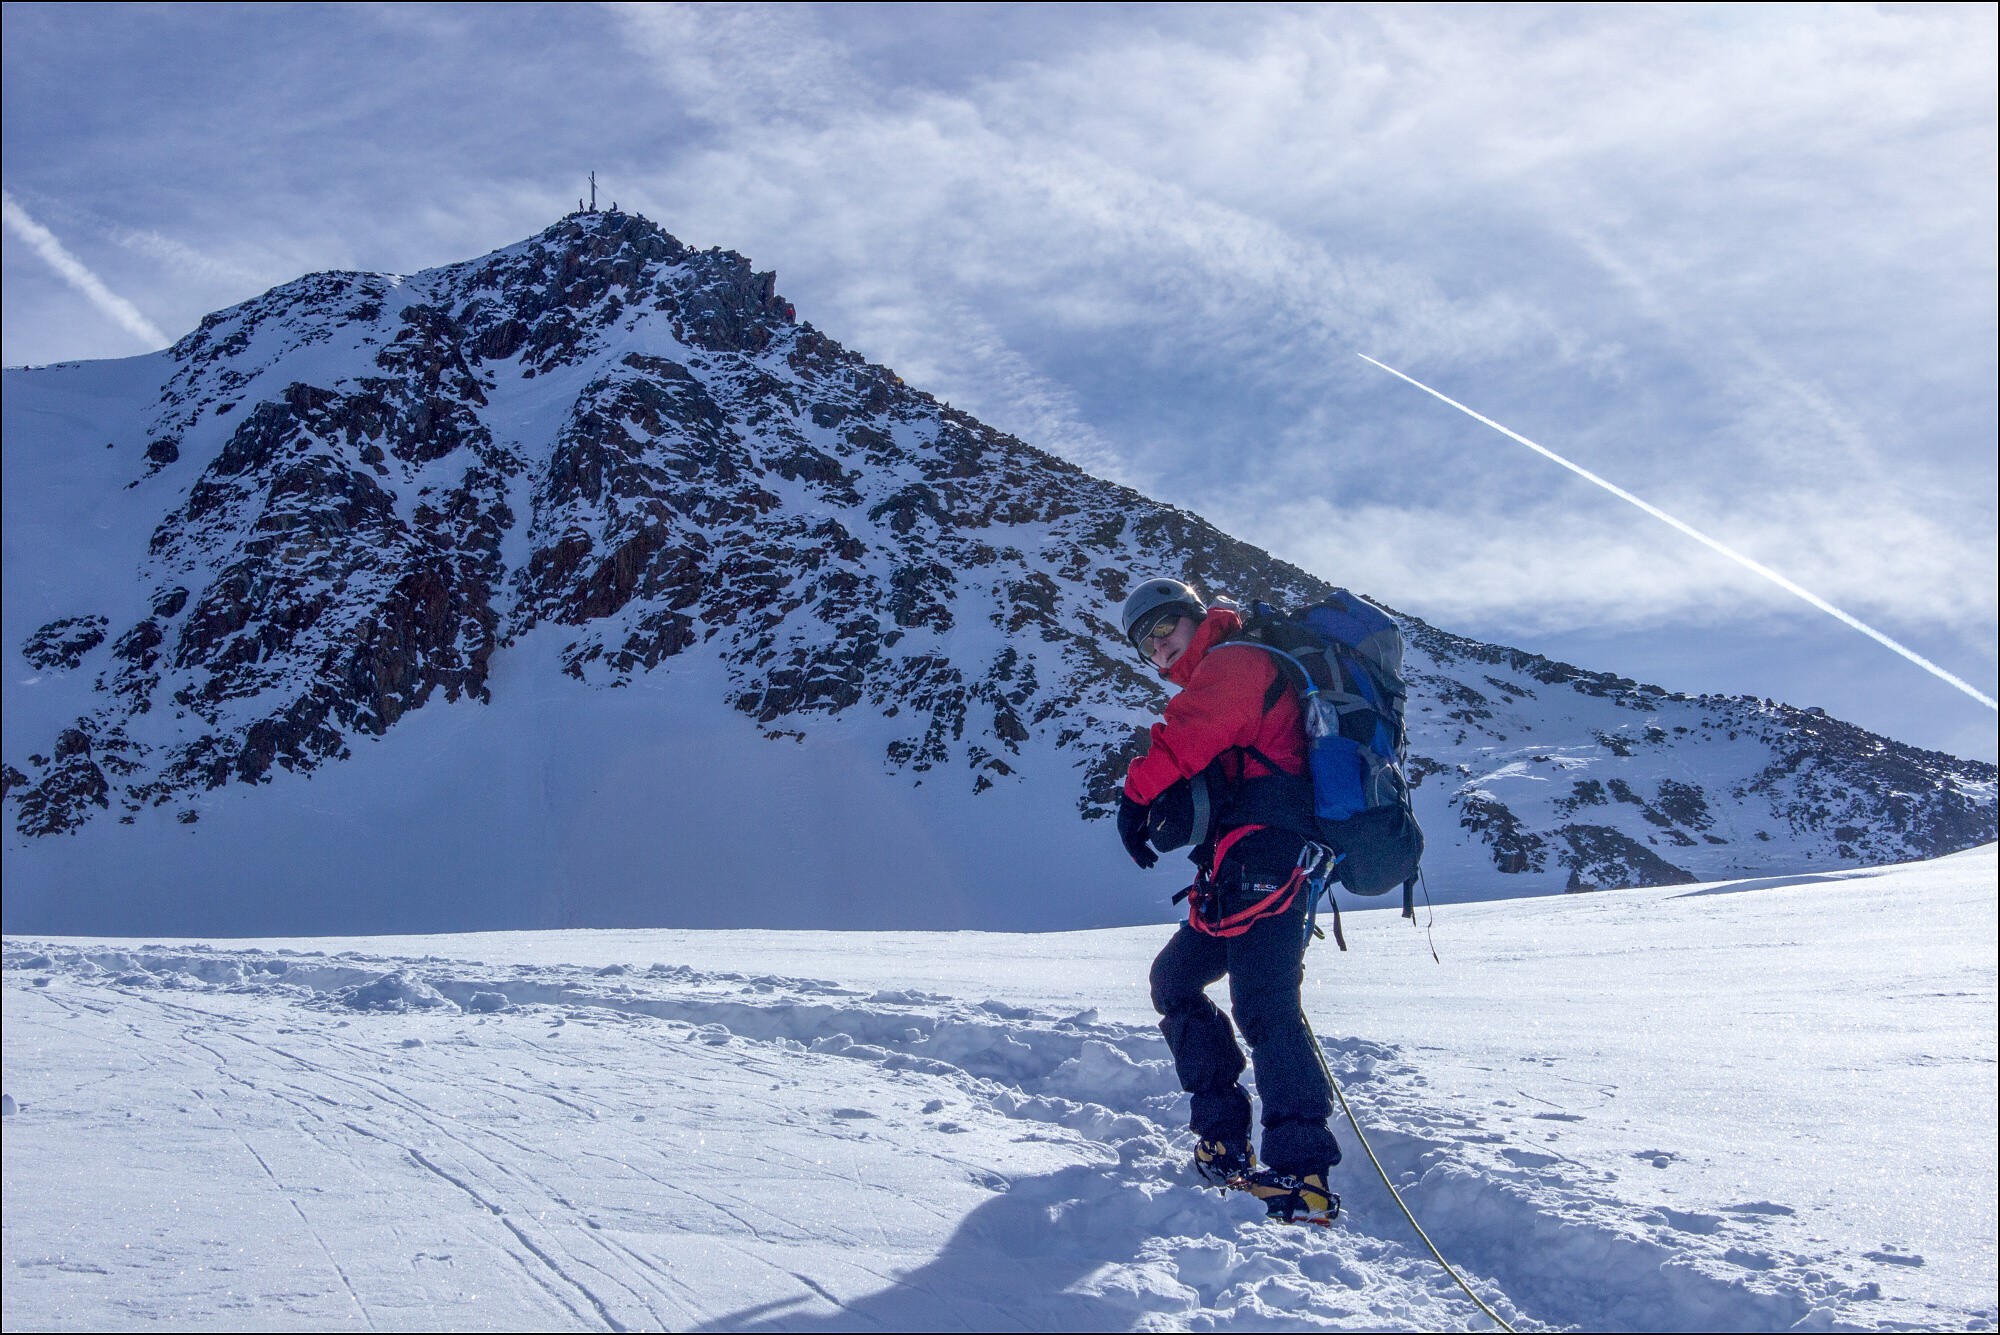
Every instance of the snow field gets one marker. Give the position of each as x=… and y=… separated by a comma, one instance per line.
x=1741, y=1107
x=311, y=1143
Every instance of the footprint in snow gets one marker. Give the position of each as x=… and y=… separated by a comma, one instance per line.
x=1687, y=1221
x=1887, y=1257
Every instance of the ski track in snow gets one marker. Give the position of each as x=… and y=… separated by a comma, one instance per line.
x=414, y=1142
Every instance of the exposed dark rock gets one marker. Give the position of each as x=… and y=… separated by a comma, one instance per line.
x=1584, y=793
x=61, y=645
x=1685, y=804
x=137, y=645
x=1602, y=858
x=1421, y=767
x=64, y=797
x=1515, y=848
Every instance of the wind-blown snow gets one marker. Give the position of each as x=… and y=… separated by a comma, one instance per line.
x=1752, y=1105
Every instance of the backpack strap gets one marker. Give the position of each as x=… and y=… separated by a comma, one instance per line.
x=1275, y=692
x=1296, y=665
x=1342, y=701
x=1269, y=763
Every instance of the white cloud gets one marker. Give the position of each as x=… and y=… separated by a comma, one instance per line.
x=1705, y=245
x=185, y=259
x=78, y=275
x=1736, y=259
x=737, y=62
x=1579, y=561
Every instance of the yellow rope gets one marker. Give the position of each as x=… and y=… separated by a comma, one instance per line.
x=1398, y=1198
x=1395, y=1195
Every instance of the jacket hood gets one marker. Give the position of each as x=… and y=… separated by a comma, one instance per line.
x=1217, y=626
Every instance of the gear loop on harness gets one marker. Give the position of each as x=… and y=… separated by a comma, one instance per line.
x=1319, y=881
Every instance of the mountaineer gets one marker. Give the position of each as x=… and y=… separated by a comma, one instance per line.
x=1226, y=770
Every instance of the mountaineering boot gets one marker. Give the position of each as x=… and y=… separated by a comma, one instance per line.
x=1224, y=1163
x=1294, y=1200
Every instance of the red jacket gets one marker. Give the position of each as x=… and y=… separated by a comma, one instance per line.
x=1219, y=709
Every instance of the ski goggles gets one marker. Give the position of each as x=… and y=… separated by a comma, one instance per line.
x=1158, y=627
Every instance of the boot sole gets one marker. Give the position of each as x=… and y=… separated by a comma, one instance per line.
x=1314, y=1220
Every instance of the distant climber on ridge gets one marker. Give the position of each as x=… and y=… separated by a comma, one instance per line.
x=1226, y=771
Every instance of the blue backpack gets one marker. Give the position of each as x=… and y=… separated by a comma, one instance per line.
x=1344, y=657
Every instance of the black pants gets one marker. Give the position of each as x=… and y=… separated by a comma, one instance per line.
x=1265, y=967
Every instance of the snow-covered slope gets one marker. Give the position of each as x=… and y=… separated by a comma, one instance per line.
x=1750, y=1106
x=580, y=584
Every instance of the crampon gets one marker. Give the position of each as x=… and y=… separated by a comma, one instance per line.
x=1289, y=1199
x=1224, y=1164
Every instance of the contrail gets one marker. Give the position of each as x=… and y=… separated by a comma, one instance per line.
x=1706, y=541
x=78, y=274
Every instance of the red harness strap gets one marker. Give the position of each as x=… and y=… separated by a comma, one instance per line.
x=1227, y=842
x=1243, y=920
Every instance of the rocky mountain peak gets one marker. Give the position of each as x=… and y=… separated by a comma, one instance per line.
x=363, y=493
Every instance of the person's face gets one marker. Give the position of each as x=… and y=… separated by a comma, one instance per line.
x=1169, y=640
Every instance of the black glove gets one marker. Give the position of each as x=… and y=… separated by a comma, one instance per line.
x=1132, y=830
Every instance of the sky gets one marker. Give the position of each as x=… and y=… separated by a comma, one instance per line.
x=1737, y=259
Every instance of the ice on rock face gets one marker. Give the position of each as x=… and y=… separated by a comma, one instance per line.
x=582, y=585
